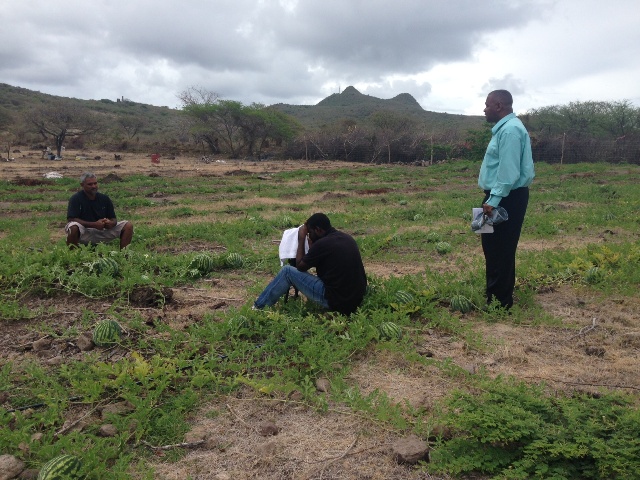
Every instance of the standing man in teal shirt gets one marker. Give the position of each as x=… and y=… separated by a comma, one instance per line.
x=505, y=175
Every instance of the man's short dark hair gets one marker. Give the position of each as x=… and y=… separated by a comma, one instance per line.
x=503, y=96
x=319, y=220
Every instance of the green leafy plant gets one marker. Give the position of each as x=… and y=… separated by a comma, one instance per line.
x=514, y=430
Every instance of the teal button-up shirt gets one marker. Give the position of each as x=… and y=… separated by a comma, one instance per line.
x=508, y=163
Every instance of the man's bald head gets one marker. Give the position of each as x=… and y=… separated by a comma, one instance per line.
x=504, y=97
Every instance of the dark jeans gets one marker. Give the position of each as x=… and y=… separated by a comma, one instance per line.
x=500, y=247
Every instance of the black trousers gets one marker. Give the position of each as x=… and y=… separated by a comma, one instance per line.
x=500, y=247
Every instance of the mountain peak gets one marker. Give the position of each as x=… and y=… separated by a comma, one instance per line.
x=351, y=97
x=406, y=99
x=350, y=90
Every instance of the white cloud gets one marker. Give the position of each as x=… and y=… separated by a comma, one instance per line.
x=446, y=54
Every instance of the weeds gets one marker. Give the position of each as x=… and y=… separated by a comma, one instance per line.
x=402, y=219
x=517, y=431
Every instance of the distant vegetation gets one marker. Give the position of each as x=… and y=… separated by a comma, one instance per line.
x=345, y=126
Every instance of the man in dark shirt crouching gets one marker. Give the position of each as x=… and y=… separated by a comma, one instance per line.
x=341, y=281
x=92, y=219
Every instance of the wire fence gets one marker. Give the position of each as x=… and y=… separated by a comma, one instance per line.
x=563, y=148
x=574, y=148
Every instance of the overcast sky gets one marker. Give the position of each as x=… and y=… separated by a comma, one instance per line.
x=448, y=54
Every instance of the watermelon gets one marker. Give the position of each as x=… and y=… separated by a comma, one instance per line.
x=202, y=262
x=403, y=297
x=433, y=237
x=443, y=247
x=107, y=266
x=63, y=467
x=461, y=303
x=390, y=331
x=234, y=260
x=107, y=332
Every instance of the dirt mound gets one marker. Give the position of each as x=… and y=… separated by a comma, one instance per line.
x=112, y=177
x=238, y=173
x=374, y=191
x=150, y=297
x=331, y=195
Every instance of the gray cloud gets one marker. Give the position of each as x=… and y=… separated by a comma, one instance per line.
x=383, y=36
x=446, y=54
x=508, y=82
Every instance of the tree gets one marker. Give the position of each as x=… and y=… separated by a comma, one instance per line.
x=584, y=117
x=236, y=126
x=213, y=120
x=352, y=137
x=61, y=120
x=131, y=124
x=476, y=142
x=621, y=118
x=549, y=120
x=7, y=134
x=390, y=128
x=260, y=123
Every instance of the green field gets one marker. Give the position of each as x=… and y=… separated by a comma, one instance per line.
x=549, y=390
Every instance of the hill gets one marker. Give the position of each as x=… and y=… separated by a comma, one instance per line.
x=127, y=125
x=351, y=105
x=16, y=103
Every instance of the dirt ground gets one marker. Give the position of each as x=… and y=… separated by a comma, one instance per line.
x=341, y=444
x=30, y=163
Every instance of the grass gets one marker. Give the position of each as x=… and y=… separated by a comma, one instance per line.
x=580, y=233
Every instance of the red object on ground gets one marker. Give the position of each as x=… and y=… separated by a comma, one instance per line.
x=155, y=158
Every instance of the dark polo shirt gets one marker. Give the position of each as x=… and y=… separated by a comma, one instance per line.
x=90, y=210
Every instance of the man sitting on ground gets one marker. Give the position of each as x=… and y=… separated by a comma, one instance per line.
x=92, y=218
x=341, y=281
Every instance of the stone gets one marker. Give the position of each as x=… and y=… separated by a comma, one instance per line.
x=85, y=342
x=107, y=430
x=410, y=450
x=10, y=467
x=296, y=396
x=55, y=361
x=323, y=385
x=41, y=344
x=117, y=409
x=470, y=367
